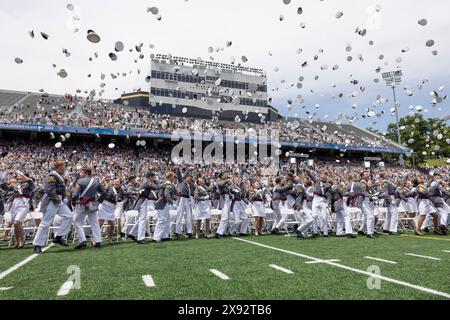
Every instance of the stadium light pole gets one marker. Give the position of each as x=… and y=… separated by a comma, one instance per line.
x=392, y=79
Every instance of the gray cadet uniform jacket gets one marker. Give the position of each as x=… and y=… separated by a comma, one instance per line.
x=201, y=193
x=54, y=190
x=387, y=192
x=337, y=193
x=167, y=195
x=89, y=199
x=321, y=188
x=437, y=194
x=147, y=191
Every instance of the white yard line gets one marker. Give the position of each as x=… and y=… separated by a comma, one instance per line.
x=322, y=261
x=448, y=251
x=382, y=260
x=425, y=257
x=23, y=262
x=148, y=280
x=366, y=273
x=65, y=288
x=221, y=275
x=281, y=268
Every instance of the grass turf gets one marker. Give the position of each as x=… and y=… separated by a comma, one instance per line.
x=180, y=269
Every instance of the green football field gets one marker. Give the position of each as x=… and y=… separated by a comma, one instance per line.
x=265, y=267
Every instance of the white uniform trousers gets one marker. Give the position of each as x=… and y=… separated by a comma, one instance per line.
x=61, y=209
x=319, y=209
x=345, y=221
x=139, y=229
x=225, y=217
x=307, y=219
x=368, y=219
x=162, y=224
x=443, y=214
x=239, y=216
x=391, y=219
x=92, y=216
x=277, y=208
x=184, y=211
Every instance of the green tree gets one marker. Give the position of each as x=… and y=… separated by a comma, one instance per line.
x=428, y=138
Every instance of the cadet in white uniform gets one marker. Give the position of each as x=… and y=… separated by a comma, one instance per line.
x=425, y=206
x=23, y=192
x=53, y=204
x=147, y=193
x=202, y=208
x=256, y=198
x=166, y=200
x=106, y=210
x=225, y=202
x=238, y=198
x=184, y=210
x=366, y=198
x=389, y=196
x=85, y=197
x=321, y=193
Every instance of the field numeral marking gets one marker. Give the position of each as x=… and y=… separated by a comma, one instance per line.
x=65, y=288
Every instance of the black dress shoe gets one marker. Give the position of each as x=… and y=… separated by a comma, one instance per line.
x=371, y=236
x=438, y=232
x=189, y=235
x=132, y=237
x=166, y=239
x=385, y=231
x=350, y=235
x=443, y=229
x=98, y=245
x=275, y=231
x=37, y=250
x=141, y=242
x=218, y=236
x=155, y=241
x=315, y=235
x=299, y=235
x=426, y=229
x=361, y=232
x=81, y=245
x=325, y=236
x=243, y=234
x=61, y=241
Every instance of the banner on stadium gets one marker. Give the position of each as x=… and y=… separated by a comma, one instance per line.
x=168, y=135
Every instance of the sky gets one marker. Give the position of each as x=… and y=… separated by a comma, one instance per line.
x=189, y=28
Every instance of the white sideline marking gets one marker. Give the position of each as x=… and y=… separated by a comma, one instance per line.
x=220, y=274
x=366, y=273
x=148, y=280
x=418, y=255
x=322, y=261
x=65, y=288
x=23, y=262
x=382, y=260
x=5, y=288
x=281, y=268
x=448, y=251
